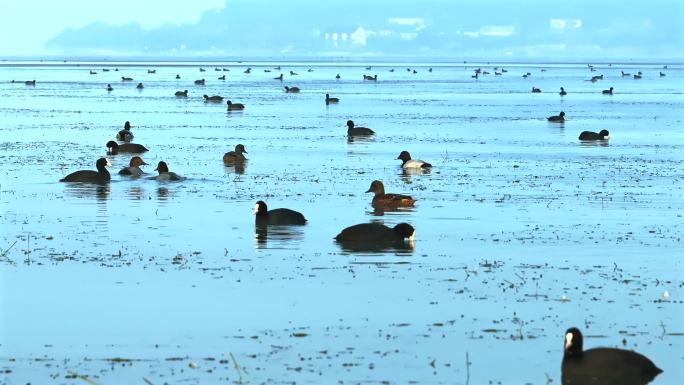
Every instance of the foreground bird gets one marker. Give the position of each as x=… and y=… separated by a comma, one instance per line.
x=164, y=173
x=114, y=148
x=380, y=199
x=590, y=135
x=358, y=131
x=608, y=91
x=329, y=100
x=375, y=234
x=235, y=106
x=125, y=135
x=182, y=94
x=603, y=366
x=407, y=162
x=292, y=90
x=236, y=156
x=99, y=176
x=133, y=168
x=264, y=216
x=562, y=92
x=557, y=118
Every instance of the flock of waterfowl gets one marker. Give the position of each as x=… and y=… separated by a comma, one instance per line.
x=608, y=365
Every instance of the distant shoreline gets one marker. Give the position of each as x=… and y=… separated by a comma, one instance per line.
x=328, y=62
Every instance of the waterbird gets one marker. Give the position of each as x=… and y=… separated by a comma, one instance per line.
x=214, y=98
x=235, y=106
x=199, y=82
x=560, y=118
x=536, y=90
x=353, y=130
x=140, y=86
x=562, y=92
x=109, y=87
x=329, y=100
x=133, y=168
x=280, y=216
x=126, y=79
x=125, y=135
x=590, y=135
x=99, y=176
x=165, y=174
x=376, y=234
x=608, y=91
x=182, y=94
x=30, y=82
x=292, y=90
x=222, y=77
x=278, y=77
x=235, y=156
x=114, y=148
x=380, y=199
x=603, y=365
x=407, y=162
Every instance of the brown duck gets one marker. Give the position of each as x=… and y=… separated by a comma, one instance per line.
x=388, y=200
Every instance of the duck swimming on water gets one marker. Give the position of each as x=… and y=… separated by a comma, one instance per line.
x=99, y=176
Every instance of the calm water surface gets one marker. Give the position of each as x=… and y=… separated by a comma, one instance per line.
x=522, y=231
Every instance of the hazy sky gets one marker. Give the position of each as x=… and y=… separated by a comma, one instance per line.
x=490, y=29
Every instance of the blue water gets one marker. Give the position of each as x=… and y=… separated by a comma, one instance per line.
x=522, y=230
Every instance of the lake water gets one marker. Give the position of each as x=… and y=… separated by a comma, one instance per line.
x=522, y=230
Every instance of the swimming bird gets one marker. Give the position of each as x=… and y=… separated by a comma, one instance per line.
x=222, y=77
x=589, y=135
x=151, y=71
x=177, y=76
x=625, y=73
x=637, y=76
x=292, y=73
x=199, y=82
x=662, y=74
x=560, y=118
x=133, y=168
x=278, y=77
x=371, y=78
x=109, y=87
x=562, y=92
x=93, y=72
x=164, y=173
x=30, y=82
x=182, y=94
x=140, y=86
x=380, y=199
x=536, y=90
x=202, y=69
x=126, y=79
x=99, y=176
x=608, y=91
x=338, y=76
x=264, y=216
x=371, y=235
x=407, y=162
x=603, y=365
x=214, y=99
x=114, y=148
x=329, y=100
x=125, y=135
x=292, y=90
x=358, y=131
x=235, y=106
x=236, y=156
